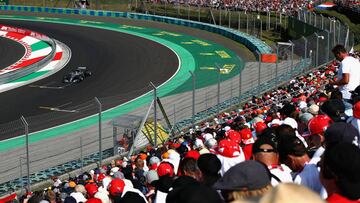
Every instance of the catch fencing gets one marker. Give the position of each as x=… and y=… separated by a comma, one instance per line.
x=162, y=117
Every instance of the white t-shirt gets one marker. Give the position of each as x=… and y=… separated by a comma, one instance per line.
x=282, y=172
x=351, y=66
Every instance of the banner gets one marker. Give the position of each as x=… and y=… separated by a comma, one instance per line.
x=4, y=2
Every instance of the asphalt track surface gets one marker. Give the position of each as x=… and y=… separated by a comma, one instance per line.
x=115, y=60
x=10, y=52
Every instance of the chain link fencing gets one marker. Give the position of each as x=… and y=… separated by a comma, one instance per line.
x=135, y=129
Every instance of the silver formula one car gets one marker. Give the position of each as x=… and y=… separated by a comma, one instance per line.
x=77, y=75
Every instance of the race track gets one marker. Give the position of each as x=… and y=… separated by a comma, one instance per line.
x=10, y=52
x=121, y=64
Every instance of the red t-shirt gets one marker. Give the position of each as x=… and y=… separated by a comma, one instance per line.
x=337, y=198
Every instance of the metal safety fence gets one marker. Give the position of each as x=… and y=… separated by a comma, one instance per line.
x=100, y=134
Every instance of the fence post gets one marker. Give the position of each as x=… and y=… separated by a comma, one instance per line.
x=26, y=126
x=322, y=21
x=218, y=88
x=327, y=45
x=193, y=99
x=21, y=176
x=280, y=21
x=239, y=21
x=339, y=33
x=247, y=23
x=240, y=84
x=259, y=72
x=292, y=56
x=260, y=28
x=115, y=140
x=155, y=113
x=81, y=154
x=220, y=16
x=317, y=48
x=305, y=46
x=188, y=12
x=229, y=19
x=315, y=23
x=100, y=136
x=277, y=64
x=269, y=21
x=199, y=18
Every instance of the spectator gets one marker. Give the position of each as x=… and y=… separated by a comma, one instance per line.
x=294, y=154
x=265, y=151
x=341, y=132
x=289, y=192
x=348, y=77
x=355, y=119
x=247, y=180
x=209, y=166
x=317, y=127
x=340, y=174
x=335, y=109
x=229, y=154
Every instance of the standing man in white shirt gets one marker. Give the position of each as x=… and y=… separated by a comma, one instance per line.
x=348, y=77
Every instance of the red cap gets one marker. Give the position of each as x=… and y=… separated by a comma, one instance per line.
x=116, y=187
x=153, y=166
x=228, y=148
x=246, y=136
x=100, y=177
x=323, y=99
x=91, y=189
x=234, y=136
x=94, y=200
x=192, y=154
x=268, y=119
x=319, y=124
x=165, y=168
x=356, y=110
x=259, y=127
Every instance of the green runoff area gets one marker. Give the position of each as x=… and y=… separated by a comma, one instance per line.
x=204, y=58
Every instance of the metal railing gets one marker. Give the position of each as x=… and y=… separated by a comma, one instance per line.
x=187, y=108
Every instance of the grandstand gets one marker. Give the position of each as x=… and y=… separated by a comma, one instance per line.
x=263, y=102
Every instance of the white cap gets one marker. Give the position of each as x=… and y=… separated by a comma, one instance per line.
x=198, y=143
x=276, y=121
x=291, y=122
x=207, y=136
x=227, y=128
x=79, y=197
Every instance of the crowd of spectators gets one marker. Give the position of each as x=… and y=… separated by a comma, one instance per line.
x=284, y=6
x=296, y=143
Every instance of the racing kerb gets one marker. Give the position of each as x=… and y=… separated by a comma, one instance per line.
x=36, y=56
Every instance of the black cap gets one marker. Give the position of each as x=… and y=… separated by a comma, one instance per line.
x=287, y=109
x=335, y=109
x=262, y=141
x=355, y=92
x=209, y=164
x=247, y=175
x=291, y=146
x=193, y=194
x=341, y=132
